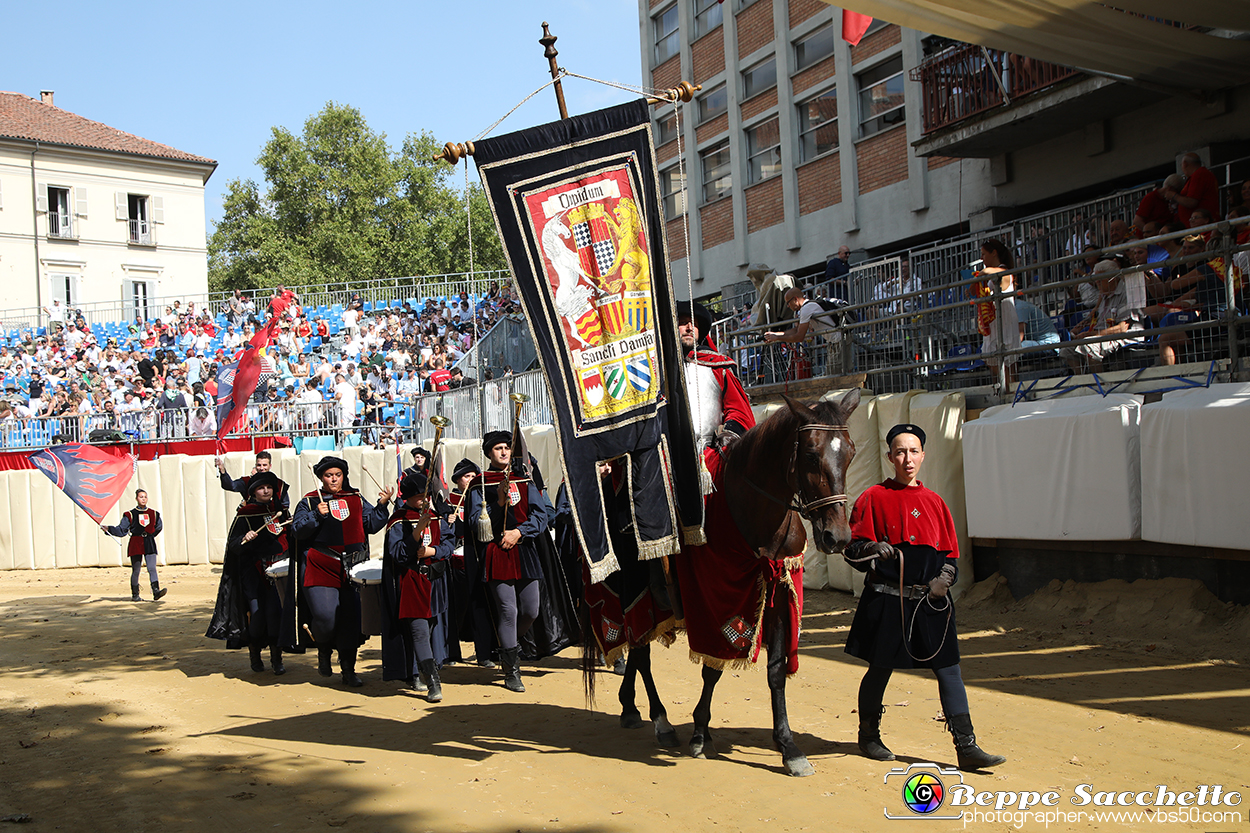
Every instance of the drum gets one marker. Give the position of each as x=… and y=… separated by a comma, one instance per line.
x=368, y=577
x=277, y=573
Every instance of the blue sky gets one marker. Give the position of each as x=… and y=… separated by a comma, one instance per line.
x=213, y=79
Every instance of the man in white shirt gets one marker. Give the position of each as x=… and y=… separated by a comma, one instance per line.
x=349, y=321
x=231, y=340
x=345, y=393
x=813, y=319
x=56, y=317
x=74, y=338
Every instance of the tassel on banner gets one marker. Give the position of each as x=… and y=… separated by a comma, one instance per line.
x=485, y=531
x=705, y=478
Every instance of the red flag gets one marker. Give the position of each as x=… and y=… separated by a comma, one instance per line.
x=236, y=382
x=854, y=25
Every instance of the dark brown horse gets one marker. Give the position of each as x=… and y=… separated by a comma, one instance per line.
x=791, y=466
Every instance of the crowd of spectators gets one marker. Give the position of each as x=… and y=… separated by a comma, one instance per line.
x=157, y=379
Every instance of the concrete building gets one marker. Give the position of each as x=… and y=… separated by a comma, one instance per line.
x=799, y=143
x=90, y=214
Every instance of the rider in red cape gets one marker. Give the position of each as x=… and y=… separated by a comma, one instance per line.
x=332, y=524
x=901, y=516
x=414, y=588
x=249, y=609
x=719, y=405
x=724, y=597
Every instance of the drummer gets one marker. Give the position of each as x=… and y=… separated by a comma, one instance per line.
x=414, y=588
x=249, y=606
x=332, y=524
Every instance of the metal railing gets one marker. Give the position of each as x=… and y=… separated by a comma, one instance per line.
x=925, y=336
x=473, y=409
x=965, y=80
x=505, y=345
x=140, y=232
x=60, y=225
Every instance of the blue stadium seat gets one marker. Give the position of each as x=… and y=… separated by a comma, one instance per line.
x=963, y=357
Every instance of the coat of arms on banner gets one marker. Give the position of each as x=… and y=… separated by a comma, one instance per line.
x=594, y=257
x=339, y=509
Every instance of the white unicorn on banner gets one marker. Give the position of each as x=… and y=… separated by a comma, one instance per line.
x=572, y=296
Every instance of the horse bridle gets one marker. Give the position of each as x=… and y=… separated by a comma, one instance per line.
x=803, y=506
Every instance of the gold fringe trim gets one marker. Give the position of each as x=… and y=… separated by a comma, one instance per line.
x=603, y=569
x=665, y=633
x=660, y=547
x=741, y=664
x=694, y=535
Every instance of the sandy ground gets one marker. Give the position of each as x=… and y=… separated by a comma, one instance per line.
x=122, y=716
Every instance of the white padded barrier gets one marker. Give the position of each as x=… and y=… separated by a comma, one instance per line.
x=1194, y=460
x=1062, y=469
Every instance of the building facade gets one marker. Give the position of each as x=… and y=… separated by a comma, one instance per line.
x=90, y=214
x=799, y=143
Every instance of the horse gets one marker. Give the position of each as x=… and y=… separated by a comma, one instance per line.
x=761, y=498
x=765, y=501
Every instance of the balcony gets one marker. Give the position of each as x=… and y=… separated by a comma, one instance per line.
x=980, y=102
x=60, y=226
x=141, y=233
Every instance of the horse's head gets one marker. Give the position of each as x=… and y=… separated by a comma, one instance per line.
x=822, y=453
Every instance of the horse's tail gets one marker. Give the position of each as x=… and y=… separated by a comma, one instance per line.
x=590, y=654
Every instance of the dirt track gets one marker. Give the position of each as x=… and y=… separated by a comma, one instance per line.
x=121, y=716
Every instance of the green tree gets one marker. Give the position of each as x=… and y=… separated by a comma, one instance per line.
x=340, y=207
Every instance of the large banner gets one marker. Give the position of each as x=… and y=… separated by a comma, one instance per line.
x=577, y=206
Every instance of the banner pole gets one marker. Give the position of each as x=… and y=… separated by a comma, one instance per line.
x=548, y=40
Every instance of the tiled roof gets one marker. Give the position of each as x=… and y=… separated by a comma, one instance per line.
x=22, y=117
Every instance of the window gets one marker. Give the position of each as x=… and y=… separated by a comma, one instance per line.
x=60, y=222
x=713, y=103
x=764, y=151
x=667, y=38
x=717, y=175
x=742, y=4
x=815, y=47
x=881, y=97
x=137, y=298
x=818, y=125
x=665, y=128
x=707, y=16
x=64, y=289
x=671, y=187
x=137, y=214
x=762, y=76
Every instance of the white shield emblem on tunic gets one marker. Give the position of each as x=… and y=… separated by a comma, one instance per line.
x=143, y=520
x=514, y=494
x=427, y=537
x=339, y=509
x=271, y=524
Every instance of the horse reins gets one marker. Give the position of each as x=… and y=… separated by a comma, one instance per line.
x=802, y=506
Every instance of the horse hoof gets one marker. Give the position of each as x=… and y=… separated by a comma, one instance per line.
x=800, y=767
x=701, y=747
x=665, y=734
x=631, y=720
